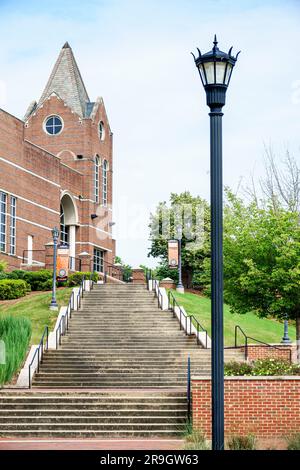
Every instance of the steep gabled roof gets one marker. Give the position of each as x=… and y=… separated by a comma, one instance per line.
x=66, y=81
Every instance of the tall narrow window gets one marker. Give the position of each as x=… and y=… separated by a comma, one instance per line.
x=97, y=166
x=2, y=221
x=104, y=182
x=64, y=229
x=98, y=260
x=12, y=240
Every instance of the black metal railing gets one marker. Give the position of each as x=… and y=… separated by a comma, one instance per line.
x=188, y=391
x=157, y=293
x=74, y=264
x=39, y=352
x=117, y=272
x=63, y=325
x=148, y=276
x=36, y=257
x=189, y=320
x=246, y=337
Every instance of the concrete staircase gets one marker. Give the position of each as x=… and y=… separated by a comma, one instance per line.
x=121, y=371
x=90, y=414
x=121, y=339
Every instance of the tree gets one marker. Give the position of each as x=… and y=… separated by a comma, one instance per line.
x=190, y=213
x=127, y=269
x=262, y=260
x=280, y=186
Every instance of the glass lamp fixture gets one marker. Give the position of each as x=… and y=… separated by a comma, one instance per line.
x=215, y=69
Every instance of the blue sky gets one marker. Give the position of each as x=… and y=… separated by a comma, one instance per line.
x=136, y=54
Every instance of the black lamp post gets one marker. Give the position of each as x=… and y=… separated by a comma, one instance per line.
x=179, y=287
x=215, y=69
x=55, y=235
x=286, y=339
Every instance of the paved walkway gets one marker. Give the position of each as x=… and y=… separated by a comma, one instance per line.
x=91, y=444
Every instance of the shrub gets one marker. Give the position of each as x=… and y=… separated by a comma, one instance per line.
x=262, y=367
x=293, y=442
x=195, y=440
x=242, y=443
x=3, y=275
x=38, y=279
x=76, y=278
x=15, y=332
x=237, y=368
x=3, y=265
x=13, y=289
x=16, y=274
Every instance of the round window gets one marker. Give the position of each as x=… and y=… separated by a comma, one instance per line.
x=53, y=125
x=101, y=131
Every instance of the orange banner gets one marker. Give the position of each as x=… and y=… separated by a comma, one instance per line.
x=173, y=253
x=62, y=264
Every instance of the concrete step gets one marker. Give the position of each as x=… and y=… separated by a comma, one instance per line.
x=24, y=413
x=107, y=434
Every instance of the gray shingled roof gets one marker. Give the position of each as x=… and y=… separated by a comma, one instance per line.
x=66, y=81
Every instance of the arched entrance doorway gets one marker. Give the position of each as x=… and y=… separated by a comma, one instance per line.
x=68, y=222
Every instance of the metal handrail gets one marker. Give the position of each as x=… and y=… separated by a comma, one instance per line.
x=246, y=344
x=24, y=258
x=172, y=302
x=158, y=294
x=40, y=354
x=63, y=325
x=188, y=392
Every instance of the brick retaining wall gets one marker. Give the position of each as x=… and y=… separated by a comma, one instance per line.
x=259, y=351
x=266, y=407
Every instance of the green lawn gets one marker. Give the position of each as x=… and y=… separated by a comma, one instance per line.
x=36, y=309
x=267, y=330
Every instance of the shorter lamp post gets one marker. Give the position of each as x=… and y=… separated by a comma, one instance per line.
x=55, y=235
x=180, y=287
x=286, y=338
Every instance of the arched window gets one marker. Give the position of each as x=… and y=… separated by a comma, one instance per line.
x=101, y=130
x=104, y=182
x=96, y=179
x=64, y=229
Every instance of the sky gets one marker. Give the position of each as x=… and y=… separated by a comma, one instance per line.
x=136, y=55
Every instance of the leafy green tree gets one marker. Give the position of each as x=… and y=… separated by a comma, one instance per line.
x=127, y=269
x=262, y=260
x=191, y=214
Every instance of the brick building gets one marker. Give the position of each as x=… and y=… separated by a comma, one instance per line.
x=56, y=169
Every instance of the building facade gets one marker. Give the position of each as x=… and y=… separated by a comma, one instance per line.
x=56, y=169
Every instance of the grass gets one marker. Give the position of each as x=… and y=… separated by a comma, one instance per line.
x=194, y=439
x=36, y=309
x=293, y=442
x=15, y=333
x=242, y=442
x=264, y=329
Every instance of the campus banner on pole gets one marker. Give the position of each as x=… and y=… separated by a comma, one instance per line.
x=173, y=253
x=62, y=264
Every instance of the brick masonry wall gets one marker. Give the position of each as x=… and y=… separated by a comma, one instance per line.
x=23, y=146
x=265, y=407
x=256, y=352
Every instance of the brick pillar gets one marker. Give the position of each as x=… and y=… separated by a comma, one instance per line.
x=49, y=256
x=86, y=265
x=138, y=276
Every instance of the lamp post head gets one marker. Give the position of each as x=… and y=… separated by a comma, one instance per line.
x=55, y=233
x=215, y=69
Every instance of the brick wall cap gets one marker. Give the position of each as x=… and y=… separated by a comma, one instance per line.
x=84, y=253
x=250, y=377
x=280, y=345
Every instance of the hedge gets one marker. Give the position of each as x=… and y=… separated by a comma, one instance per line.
x=15, y=333
x=13, y=289
x=76, y=278
x=39, y=280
